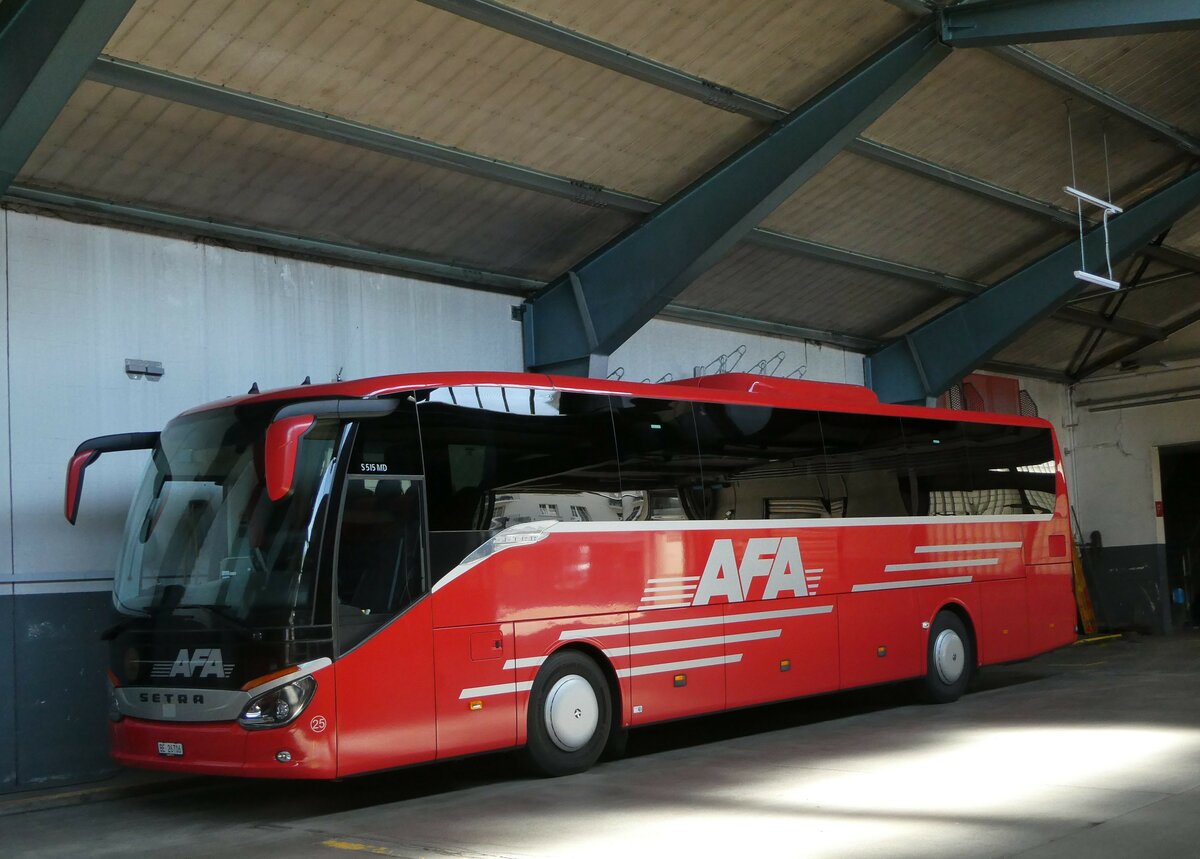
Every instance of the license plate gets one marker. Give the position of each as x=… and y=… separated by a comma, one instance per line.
x=171, y=750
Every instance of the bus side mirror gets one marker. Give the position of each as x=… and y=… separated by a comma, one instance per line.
x=281, y=452
x=293, y=422
x=89, y=452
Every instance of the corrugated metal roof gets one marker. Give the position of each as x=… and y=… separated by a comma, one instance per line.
x=764, y=284
x=782, y=51
x=411, y=68
x=1156, y=72
x=1161, y=305
x=865, y=206
x=138, y=149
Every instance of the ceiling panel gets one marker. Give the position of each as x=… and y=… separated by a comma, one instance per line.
x=982, y=116
x=782, y=51
x=1164, y=304
x=764, y=284
x=1051, y=344
x=137, y=149
x=420, y=71
x=869, y=207
x=1155, y=72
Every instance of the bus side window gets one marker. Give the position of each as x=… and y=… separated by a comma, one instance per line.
x=659, y=460
x=502, y=456
x=866, y=455
x=1012, y=469
x=762, y=462
x=937, y=467
x=380, y=562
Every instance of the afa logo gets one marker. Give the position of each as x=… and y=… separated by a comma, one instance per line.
x=207, y=661
x=770, y=567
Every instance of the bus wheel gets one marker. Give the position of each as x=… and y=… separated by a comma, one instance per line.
x=950, y=659
x=570, y=715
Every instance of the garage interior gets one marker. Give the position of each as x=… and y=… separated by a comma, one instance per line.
x=201, y=196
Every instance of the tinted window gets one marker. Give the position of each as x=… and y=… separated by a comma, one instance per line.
x=499, y=456
x=1012, y=469
x=659, y=460
x=761, y=462
x=937, y=473
x=866, y=460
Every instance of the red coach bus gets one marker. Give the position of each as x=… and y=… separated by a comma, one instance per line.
x=330, y=580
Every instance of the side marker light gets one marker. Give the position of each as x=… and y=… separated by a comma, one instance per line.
x=476, y=705
x=881, y=652
x=680, y=680
x=284, y=757
x=785, y=665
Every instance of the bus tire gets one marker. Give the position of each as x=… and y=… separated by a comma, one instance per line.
x=570, y=715
x=950, y=659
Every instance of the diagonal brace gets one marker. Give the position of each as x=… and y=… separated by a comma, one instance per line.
x=943, y=350
x=628, y=281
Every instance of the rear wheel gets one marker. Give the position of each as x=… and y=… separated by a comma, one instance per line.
x=570, y=715
x=950, y=659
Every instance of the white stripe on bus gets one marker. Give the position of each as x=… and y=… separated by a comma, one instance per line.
x=942, y=565
x=912, y=583
x=662, y=626
x=659, y=647
x=968, y=547
x=786, y=524
x=680, y=579
x=672, y=667
x=665, y=588
x=662, y=597
x=498, y=689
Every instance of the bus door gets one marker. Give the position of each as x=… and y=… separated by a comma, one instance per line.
x=384, y=624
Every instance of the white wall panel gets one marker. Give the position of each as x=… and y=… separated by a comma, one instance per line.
x=1113, y=451
x=83, y=298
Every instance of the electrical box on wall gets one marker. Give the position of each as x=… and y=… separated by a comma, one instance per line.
x=139, y=368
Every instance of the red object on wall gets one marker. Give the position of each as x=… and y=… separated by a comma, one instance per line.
x=999, y=394
x=1158, y=509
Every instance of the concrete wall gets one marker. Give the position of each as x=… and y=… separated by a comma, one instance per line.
x=1113, y=467
x=79, y=300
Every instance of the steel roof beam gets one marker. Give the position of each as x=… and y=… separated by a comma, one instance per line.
x=1122, y=352
x=162, y=84
x=274, y=239
x=206, y=96
x=550, y=35
x=938, y=353
x=46, y=47
x=1063, y=79
x=1021, y=22
x=586, y=313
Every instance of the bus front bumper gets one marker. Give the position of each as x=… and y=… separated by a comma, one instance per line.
x=226, y=748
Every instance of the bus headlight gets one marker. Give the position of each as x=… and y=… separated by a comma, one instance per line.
x=280, y=706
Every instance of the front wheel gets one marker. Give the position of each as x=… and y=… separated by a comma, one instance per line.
x=570, y=715
x=950, y=659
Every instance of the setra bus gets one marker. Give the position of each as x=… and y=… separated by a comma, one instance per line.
x=337, y=579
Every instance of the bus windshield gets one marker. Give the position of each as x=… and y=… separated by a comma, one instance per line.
x=204, y=533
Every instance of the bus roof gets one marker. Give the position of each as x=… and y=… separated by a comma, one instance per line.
x=731, y=388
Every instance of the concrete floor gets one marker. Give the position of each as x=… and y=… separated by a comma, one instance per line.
x=1094, y=750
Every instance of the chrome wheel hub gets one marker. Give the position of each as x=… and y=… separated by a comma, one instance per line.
x=949, y=656
x=572, y=713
